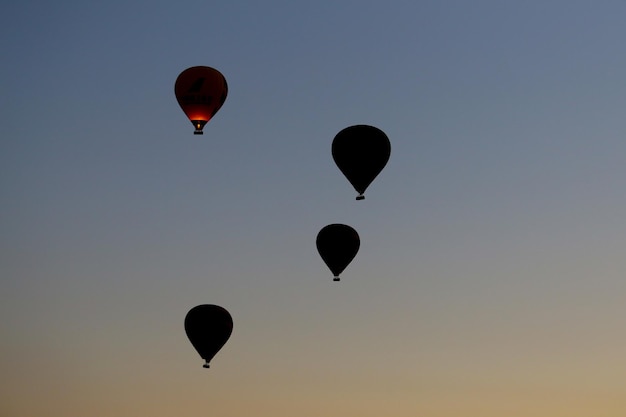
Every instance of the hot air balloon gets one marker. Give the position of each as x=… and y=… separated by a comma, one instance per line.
x=208, y=327
x=337, y=244
x=361, y=152
x=200, y=91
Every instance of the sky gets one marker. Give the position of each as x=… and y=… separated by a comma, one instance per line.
x=491, y=275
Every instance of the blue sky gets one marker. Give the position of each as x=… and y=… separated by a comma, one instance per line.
x=490, y=279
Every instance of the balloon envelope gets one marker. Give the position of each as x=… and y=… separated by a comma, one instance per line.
x=201, y=92
x=208, y=327
x=337, y=244
x=361, y=152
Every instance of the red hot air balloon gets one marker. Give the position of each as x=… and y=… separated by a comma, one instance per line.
x=337, y=244
x=201, y=92
x=361, y=152
x=208, y=328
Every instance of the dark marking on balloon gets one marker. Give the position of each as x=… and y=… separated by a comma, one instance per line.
x=196, y=99
x=196, y=86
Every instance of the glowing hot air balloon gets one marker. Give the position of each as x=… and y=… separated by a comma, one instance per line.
x=208, y=328
x=337, y=244
x=361, y=152
x=201, y=92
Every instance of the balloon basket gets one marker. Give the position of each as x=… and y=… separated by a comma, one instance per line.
x=206, y=366
x=198, y=124
x=360, y=197
x=336, y=279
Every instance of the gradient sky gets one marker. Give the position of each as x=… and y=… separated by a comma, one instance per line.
x=491, y=276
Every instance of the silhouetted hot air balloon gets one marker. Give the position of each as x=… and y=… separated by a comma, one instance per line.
x=337, y=244
x=200, y=91
x=361, y=152
x=208, y=327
